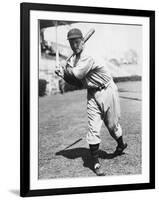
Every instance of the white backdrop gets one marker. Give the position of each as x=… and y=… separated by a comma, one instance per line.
x=10, y=103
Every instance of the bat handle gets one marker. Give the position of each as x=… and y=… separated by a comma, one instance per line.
x=70, y=57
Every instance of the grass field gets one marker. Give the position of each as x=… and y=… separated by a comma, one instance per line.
x=63, y=121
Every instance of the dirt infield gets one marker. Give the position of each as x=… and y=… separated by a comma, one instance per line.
x=63, y=151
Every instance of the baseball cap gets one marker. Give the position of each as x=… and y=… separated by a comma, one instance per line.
x=74, y=33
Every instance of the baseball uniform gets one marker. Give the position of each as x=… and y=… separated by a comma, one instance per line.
x=102, y=104
x=102, y=96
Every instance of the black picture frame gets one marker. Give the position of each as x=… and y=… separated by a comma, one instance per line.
x=25, y=9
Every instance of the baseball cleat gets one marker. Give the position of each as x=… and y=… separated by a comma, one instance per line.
x=98, y=170
x=120, y=148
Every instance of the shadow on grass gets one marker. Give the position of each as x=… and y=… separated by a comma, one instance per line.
x=84, y=153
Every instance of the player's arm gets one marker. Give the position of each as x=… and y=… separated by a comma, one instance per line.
x=82, y=68
x=65, y=71
x=69, y=76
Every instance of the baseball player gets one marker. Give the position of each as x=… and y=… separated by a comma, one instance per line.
x=102, y=96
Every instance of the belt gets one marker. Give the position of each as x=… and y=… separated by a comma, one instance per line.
x=101, y=87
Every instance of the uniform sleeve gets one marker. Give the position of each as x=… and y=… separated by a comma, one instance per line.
x=82, y=67
x=70, y=78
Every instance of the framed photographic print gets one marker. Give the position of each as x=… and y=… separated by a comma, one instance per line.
x=87, y=99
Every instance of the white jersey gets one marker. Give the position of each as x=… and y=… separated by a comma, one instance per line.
x=90, y=70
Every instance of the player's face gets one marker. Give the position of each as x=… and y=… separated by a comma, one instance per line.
x=76, y=45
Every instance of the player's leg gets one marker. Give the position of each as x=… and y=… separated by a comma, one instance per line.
x=111, y=119
x=93, y=136
x=115, y=131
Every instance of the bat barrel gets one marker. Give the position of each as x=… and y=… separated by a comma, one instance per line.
x=89, y=34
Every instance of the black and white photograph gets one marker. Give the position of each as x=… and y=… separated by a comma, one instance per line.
x=90, y=103
x=89, y=94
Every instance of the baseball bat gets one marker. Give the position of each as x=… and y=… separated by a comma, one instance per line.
x=86, y=37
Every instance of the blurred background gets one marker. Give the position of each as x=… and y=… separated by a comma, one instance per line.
x=118, y=44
